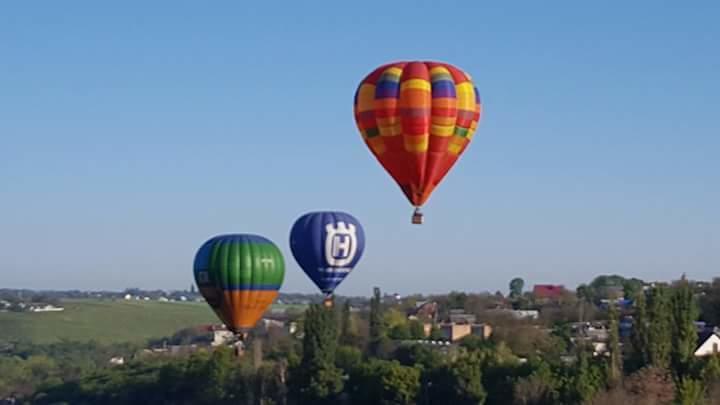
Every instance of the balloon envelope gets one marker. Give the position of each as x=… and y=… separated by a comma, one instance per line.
x=417, y=118
x=239, y=275
x=327, y=245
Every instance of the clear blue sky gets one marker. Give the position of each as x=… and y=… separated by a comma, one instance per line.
x=132, y=132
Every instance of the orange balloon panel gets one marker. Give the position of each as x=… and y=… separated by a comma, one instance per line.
x=417, y=118
x=243, y=308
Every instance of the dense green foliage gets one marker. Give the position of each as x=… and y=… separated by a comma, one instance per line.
x=317, y=380
x=373, y=357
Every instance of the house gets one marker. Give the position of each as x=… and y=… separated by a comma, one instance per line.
x=117, y=361
x=46, y=308
x=221, y=337
x=709, y=344
x=459, y=316
x=482, y=329
x=516, y=313
x=548, y=292
x=456, y=331
x=268, y=323
x=424, y=311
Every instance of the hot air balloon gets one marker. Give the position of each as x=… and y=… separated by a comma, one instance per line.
x=417, y=118
x=327, y=245
x=239, y=276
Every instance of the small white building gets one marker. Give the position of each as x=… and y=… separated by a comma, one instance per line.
x=518, y=313
x=710, y=345
x=47, y=308
x=221, y=337
x=128, y=297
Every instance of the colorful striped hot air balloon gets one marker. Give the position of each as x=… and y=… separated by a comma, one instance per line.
x=239, y=275
x=417, y=118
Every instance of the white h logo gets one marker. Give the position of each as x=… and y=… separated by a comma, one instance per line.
x=340, y=244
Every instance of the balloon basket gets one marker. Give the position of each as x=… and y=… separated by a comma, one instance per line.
x=417, y=217
x=328, y=301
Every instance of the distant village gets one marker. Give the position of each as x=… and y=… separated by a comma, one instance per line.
x=449, y=323
x=24, y=300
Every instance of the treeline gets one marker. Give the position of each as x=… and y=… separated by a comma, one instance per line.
x=364, y=358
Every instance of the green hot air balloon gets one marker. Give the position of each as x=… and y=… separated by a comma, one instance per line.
x=239, y=275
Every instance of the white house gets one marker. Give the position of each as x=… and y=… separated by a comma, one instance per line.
x=518, y=313
x=221, y=337
x=47, y=308
x=710, y=345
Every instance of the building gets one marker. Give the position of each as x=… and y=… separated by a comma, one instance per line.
x=424, y=311
x=46, y=308
x=482, y=329
x=459, y=316
x=222, y=337
x=548, y=292
x=517, y=313
x=456, y=331
x=709, y=344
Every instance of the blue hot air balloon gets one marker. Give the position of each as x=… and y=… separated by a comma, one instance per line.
x=327, y=245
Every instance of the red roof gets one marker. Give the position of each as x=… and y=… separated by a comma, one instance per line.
x=548, y=290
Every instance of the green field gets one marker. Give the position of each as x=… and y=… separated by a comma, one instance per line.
x=108, y=321
x=105, y=321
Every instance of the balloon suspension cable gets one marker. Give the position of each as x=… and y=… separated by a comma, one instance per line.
x=328, y=301
x=417, y=217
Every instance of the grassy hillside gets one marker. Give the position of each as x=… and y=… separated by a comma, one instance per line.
x=105, y=321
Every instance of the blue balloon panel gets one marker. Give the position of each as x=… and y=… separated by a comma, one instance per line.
x=327, y=245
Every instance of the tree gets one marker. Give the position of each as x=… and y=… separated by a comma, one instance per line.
x=377, y=323
x=421, y=355
x=631, y=287
x=348, y=358
x=684, y=334
x=690, y=392
x=346, y=323
x=216, y=373
x=660, y=329
x=710, y=303
x=540, y=387
x=459, y=383
x=436, y=333
x=585, y=293
x=615, y=367
x=400, y=331
x=384, y=382
x=417, y=330
x=587, y=378
x=456, y=300
x=516, y=287
x=640, y=332
x=317, y=379
x=711, y=371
